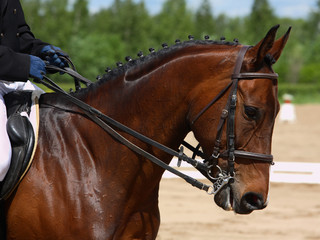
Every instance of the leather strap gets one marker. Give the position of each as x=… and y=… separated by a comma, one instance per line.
x=232, y=111
x=239, y=61
x=71, y=72
x=249, y=155
x=254, y=75
x=103, y=121
x=220, y=94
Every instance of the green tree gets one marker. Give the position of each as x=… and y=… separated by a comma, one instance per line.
x=310, y=72
x=312, y=25
x=234, y=29
x=80, y=15
x=33, y=11
x=173, y=22
x=56, y=23
x=260, y=20
x=204, y=20
x=131, y=21
x=94, y=52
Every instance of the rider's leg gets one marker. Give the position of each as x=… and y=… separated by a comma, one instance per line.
x=5, y=146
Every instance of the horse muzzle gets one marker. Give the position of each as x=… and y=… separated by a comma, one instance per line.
x=228, y=199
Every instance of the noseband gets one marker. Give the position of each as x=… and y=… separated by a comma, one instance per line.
x=228, y=117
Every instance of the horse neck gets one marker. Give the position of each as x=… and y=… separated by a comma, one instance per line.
x=157, y=103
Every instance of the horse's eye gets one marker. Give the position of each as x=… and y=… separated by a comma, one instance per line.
x=251, y=112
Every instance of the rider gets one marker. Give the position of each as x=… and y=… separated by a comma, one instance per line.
x=21, y=56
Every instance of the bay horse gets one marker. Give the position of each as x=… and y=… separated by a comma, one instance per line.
x=84, y=184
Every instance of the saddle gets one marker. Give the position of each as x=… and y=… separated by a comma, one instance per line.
x=22, y=139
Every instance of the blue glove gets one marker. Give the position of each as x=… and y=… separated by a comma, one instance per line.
x=37, y=67
x=52, y=54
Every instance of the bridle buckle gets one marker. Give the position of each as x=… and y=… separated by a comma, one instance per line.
x=215, y=155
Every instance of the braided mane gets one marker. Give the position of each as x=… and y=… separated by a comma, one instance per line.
x=135, y=67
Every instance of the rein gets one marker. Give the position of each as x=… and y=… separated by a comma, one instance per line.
x=105, y=121
x=228, y=114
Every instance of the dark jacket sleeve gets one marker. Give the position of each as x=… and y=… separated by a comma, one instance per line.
x=17, y=43
x=14, y=66
x=28, y=43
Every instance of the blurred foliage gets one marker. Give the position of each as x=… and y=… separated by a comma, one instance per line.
x=302, y=93
x=100, y=39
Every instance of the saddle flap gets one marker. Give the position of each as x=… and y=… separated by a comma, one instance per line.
x=22, y=138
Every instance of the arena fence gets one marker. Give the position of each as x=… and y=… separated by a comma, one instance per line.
x=281, y=172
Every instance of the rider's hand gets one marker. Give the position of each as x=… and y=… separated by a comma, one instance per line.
x=52, y=55
x=37, y=67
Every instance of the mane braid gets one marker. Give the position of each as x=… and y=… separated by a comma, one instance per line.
x=154, y=55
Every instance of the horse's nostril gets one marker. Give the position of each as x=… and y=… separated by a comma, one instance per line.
x=251, y=201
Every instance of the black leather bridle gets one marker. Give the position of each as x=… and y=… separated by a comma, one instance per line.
x=228, y=115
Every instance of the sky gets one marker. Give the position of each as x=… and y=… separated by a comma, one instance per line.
x=232, y=8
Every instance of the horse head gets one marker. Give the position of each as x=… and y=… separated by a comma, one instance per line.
x=245, y=134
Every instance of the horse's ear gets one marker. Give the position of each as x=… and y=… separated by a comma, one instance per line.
x=278, y=45
x=259, y=51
